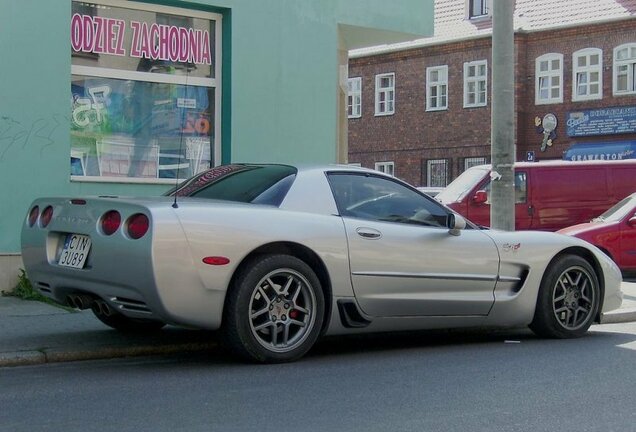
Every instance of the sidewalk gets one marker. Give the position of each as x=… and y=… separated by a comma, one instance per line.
x=33, y=333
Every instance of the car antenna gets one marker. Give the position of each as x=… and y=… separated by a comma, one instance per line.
x=181, y=125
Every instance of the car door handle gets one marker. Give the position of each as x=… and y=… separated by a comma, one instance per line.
x=368, y=233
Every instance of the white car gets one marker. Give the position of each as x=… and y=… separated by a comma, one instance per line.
x=277, y=255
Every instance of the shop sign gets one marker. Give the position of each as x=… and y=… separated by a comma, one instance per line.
x=602, y=121
x=101, y=35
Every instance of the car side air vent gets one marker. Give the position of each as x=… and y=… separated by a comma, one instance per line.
x=351, y=316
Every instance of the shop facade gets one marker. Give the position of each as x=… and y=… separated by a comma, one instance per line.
x=115, y=97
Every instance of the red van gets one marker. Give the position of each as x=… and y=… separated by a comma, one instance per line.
x=548, y=195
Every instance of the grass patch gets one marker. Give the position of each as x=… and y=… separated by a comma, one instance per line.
x=24, y=290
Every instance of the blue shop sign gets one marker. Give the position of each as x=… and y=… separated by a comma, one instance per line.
x=602, y=121
x=601, y=151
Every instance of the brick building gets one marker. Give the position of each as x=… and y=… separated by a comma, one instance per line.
x=421, y=110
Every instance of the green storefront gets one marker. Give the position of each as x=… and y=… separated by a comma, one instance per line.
x=165, y=87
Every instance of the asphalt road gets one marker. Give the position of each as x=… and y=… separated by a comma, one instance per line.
x=449, y=381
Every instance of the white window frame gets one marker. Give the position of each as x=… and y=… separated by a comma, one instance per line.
x=388, y=93
x=476, y=80
x=549, y=75
x=354, y=97
x=429, y=171
x=387, y=167
x=440, y=86
x=483, y=6
x=474, y=161
x=629, y=63
x=586, y=71
x=215, y=83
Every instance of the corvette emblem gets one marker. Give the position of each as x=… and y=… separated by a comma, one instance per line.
x=509, y=247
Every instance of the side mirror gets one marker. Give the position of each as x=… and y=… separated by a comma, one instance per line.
x=455, y=224
x=632, y=221
x=481, y=196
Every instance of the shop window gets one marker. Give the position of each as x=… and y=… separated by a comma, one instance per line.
x=549, y=79
x=475, y=83
x=436, y=88
x=478, y=8
x=587, y=74
x=625, y=69
x=385, y=167
x=354, y=97
x=384, y=94
x=437, y=172
x=144, y=99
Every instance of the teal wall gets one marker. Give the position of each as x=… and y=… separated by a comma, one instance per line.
x=280, y=77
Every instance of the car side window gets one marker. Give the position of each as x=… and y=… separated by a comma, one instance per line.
x=369, y=197
x=521, y=188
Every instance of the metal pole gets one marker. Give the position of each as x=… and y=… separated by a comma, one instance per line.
x=502, y=192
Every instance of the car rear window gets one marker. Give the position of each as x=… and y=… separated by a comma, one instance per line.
x=258, y=184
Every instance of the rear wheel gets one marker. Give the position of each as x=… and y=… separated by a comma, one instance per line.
x=569, y=298
x=122, y=323
x=274, y=310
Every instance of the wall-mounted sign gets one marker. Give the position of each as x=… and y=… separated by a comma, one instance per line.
x=101, y=35
x=602, y=121
x=546, y=126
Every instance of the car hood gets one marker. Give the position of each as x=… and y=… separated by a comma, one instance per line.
x=588, y=229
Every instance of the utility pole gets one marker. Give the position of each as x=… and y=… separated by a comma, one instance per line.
x=503, y=152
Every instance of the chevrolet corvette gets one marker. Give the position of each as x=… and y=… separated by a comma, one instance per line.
x=276, y=255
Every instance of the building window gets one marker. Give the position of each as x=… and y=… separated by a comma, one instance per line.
x=475, y=83
x=625, y=69
x=385, y=167
x=587, y=74
x=354, y=97
x=474, y=161
x=478, y=8
x=549, y=79
x=140, y=111
x=437, y=172
x=436, y=88
x=385, y=94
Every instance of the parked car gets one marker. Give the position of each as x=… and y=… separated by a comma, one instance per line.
x=614, y=232
x=548, y=195
x=276, y=255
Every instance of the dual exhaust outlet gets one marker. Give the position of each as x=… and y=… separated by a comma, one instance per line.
x=84, y=301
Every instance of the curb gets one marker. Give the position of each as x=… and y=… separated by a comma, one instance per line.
x=57, y=355
x=619, y=316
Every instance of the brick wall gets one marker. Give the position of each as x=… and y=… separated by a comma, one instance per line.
x=412, y=135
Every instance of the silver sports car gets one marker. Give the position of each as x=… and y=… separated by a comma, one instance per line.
x=276, y=255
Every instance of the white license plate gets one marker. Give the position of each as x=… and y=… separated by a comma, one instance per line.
x=75, y=251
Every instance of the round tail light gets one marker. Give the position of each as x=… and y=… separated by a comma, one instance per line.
x=111, y=222
x=46, y=217
x=33, y=215
x=138, y=225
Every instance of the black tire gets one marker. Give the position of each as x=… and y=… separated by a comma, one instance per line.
x=569, y=299
x=124, y=324
x=274, y=310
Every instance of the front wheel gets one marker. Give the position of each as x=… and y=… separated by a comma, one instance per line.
x=274, y=311
x=569, y=299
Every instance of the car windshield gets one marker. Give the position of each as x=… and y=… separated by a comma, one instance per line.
x=459, y=187
x=619, y=210
x=257, y=184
